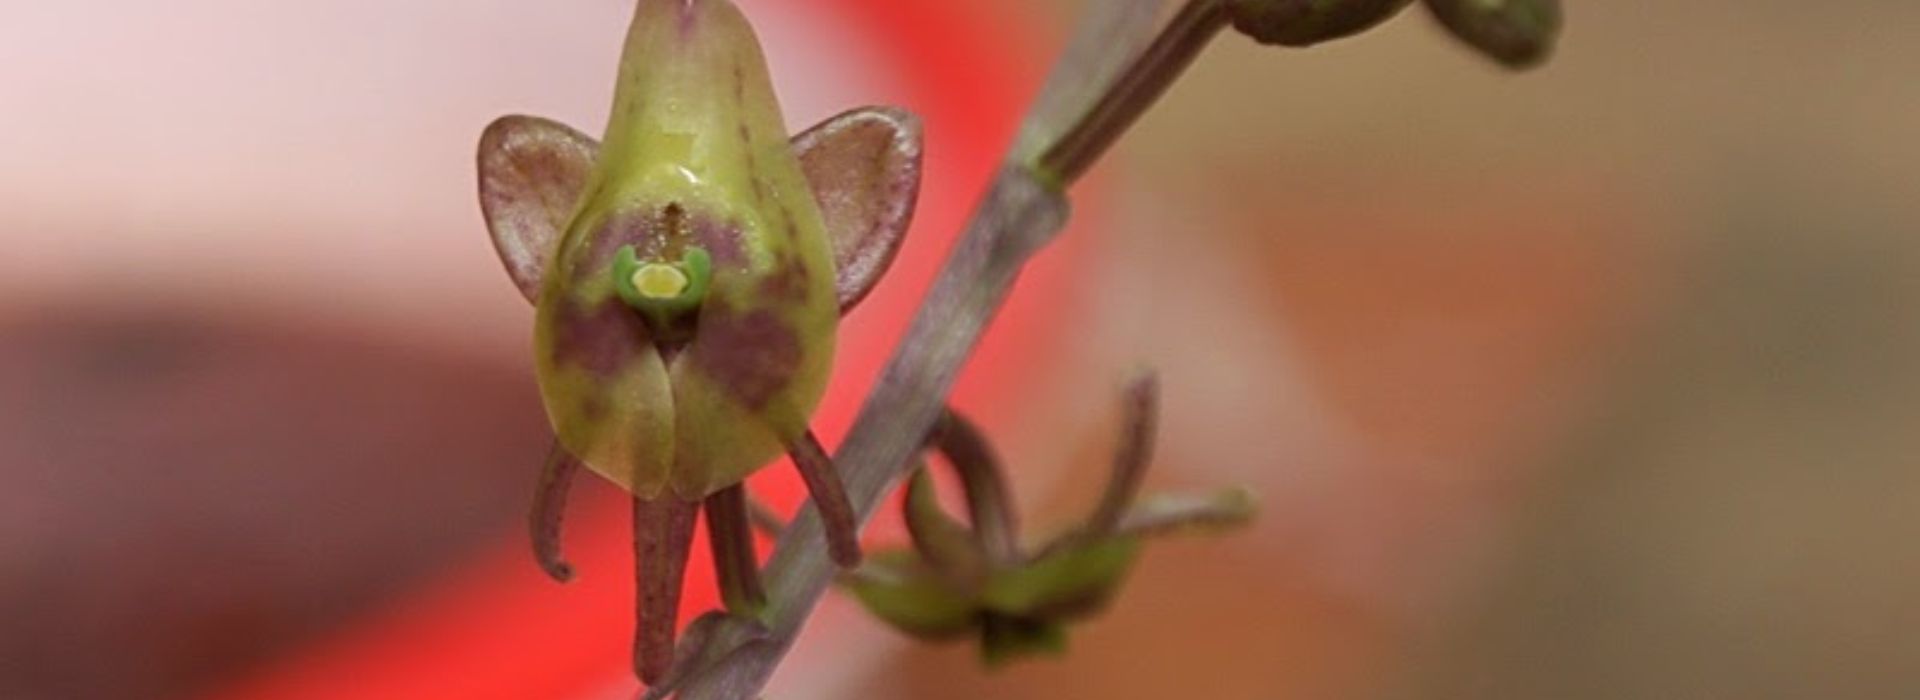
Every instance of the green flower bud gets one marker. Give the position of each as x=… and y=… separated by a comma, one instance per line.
x=1517, y=33
x=1308, y=22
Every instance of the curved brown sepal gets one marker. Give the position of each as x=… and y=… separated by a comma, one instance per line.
x=829, y=493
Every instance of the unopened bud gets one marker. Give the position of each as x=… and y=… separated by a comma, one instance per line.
x=1517, y=33
x=1308, y=22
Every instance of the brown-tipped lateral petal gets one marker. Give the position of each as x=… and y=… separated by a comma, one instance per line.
x=532, y=171
x=549, y=511
x=864, y=167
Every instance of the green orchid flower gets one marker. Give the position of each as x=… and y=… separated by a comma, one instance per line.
x=689, y=272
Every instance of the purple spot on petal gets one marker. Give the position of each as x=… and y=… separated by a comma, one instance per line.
x=721, y=241
x=787, y=284
x=593, y=407
x=752, y=355
x=659, y=235
x=602, y=340
x=646, y=231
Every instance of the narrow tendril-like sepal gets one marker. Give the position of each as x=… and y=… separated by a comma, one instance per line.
x=989, y=501
x=829, y=497
x=1140, y=422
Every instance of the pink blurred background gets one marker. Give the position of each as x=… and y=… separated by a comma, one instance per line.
x=1596, y=381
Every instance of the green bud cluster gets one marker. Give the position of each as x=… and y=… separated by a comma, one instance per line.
x=1516, y=33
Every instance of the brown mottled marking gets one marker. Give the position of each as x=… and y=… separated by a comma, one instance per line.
x=787, y=284
x=752, y=355
x=600, y=340
x=661, y=234
x=644, y=230
x=721, y=240
x=593, y=407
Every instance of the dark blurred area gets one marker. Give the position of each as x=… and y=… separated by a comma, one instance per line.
x=1597, y=381
x=189, y=493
